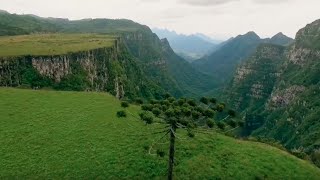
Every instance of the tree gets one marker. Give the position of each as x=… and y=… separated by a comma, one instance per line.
x=185, y=114
x=181, y=113
x=124, y=104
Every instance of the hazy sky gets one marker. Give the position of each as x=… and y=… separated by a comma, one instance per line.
x=218, y=18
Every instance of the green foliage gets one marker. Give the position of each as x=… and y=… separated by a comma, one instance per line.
x=210, y=123
x=161, y=153
x=232, y=113
x=77, y=118
x=147, y=107
x=196, y=114
x=241, y=123
x=221, y=125
x=156, y=111
x=299, y=153
x=170, y=112
x=146, y=117
x=191, y=134
x=208, y=113
x=121, y=114
x=232, y=123
x=204, y=100
x=213, y=100
x=315, y=157
x=77, y=81
x=139, y=101
x=124, y=104
x=220, y=107
x=192, y=102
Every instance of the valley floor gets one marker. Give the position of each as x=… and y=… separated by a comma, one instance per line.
x=54, y=135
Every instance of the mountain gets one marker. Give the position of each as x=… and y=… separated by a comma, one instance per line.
x=278, y=89
x=222, y=62
x=56, y=135
x=147, y=53
x=281, y=39
x=189, y=47
x=207, y=38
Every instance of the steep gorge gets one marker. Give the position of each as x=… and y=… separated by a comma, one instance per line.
x=153, y=57
x=278, y=91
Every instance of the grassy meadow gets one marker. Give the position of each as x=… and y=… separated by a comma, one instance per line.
x=52, y=44
x=63, y=135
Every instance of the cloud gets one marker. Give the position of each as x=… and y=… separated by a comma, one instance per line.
x=271, y=1
x=206, y=2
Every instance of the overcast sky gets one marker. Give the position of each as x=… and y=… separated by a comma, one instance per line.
x=220, y=19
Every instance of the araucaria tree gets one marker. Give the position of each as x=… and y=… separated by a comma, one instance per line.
x=186, y=114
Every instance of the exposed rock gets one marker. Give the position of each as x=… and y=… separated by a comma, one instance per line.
x=285, y=97
x=54, y=67
x=299, y=55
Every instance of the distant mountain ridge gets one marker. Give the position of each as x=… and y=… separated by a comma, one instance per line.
x=190, y=47
x=222, y=62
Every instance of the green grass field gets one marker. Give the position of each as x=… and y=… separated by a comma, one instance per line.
x=61, y=135
x=52, y=44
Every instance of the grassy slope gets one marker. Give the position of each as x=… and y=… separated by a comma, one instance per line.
x=52, y=44
x=48, y=134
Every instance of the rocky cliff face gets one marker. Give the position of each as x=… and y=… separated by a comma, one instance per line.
x=254, y=80
x=103, y=69
x=279, y=89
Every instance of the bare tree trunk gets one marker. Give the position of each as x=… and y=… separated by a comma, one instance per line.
x=171, y=153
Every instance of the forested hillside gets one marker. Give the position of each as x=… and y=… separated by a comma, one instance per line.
x=278, y=88
x=222, y=62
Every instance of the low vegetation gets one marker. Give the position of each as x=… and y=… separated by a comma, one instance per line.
x=47, y=134
x=52, y=44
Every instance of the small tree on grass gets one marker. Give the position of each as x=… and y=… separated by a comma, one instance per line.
x=186, y=114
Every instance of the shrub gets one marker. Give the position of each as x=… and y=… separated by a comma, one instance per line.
x=192, y=103
x=147, y=107
x=181, y=101
x=156, y=111
x=169, y=112
x=165, y=102
x=153, y=101
x=241, y=123
x=232, y=113
x=191, y=134
x=177, y=111
x=299, y=153
x=210, y=123
x=186, y=111
x=161, y=153
x=124, y=104
x=208, y=113
x=171, y=99
x=221, y=125
x=204, y=100
x=196, y=114
x=146, y=147
x=232, y=123
x=213, y=100
x=220, y=107
x=146, y=117
x=139, y=101
x=167, y=95
x=315, y=157
x=121, y=114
